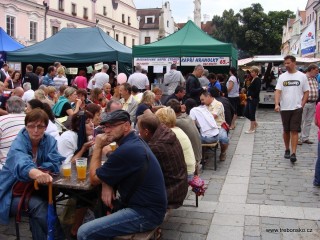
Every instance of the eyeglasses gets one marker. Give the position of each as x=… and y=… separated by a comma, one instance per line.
x=104, y=127
x=39, y=127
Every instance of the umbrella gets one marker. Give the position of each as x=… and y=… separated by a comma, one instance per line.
x=52, y=215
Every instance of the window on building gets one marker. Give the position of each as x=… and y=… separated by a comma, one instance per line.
x=54, y=30
x=11, y=26
x=149, y=20
x=104, y=10
x=117, y=37
x=129, y=22
x=33, y=31
x=124, y=40
x=318, y=47
x=133, y=42
x=123, y=18
x=61, y=5
x=167, y=23
x=147, y=40
x=74, y=9
x=108, y=33
x=312, y=16
x=85, y=13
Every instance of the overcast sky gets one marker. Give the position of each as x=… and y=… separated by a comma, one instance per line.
x=182, y=10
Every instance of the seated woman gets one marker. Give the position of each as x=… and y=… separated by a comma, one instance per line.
x=32, y=150
x=167, y=116
x=63, y=107
x=96, y=96
x=51, y=128
x=157, y=99
x=41, y=95
x=73, y=144
x=14, y=82
x=145, y=104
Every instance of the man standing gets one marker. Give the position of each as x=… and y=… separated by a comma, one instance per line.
x=4, y=72
x=292, y=92
x=139, y=80
x=48, y=78
x=132, y=166
x=10, y=125
x=173, y=79
x=204, y=81
x=309, y=108
x=101, y=78
x=31, y=77
x=127, y=101
x=217, y=110
x=193, y=86
x=166, y=147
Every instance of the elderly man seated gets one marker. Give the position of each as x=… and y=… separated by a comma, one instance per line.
x=167, y=149
x=134, y=171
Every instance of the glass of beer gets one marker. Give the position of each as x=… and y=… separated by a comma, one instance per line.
x=81, y=164
x=113, y=146
x=66, y=170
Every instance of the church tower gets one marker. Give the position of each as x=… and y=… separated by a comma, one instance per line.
x=197, y=13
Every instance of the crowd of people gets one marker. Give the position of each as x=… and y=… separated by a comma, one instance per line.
x=159, y=138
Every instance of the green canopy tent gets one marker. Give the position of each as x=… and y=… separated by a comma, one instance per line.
x=190, y=41
x=74, y=46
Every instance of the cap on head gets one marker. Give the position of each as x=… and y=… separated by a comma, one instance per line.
x=115, y=116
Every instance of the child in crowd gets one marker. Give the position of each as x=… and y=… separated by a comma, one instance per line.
x=243, y=102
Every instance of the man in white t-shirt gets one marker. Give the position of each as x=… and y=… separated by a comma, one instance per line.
x=139, y=80
x=101, y=78
x=291, y=95
x=28, y=92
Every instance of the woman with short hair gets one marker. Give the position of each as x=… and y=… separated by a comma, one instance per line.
x=63, y=107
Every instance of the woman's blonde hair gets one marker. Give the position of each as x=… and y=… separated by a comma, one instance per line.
x=167, y=116
x=148, y=97
x=60, y=71
x=51, y=89
x=39, y=94
x=255, y=69
x=69, y=91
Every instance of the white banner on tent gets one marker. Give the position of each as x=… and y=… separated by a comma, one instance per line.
x=158, y=69
x=205, y=61
x=157, y=61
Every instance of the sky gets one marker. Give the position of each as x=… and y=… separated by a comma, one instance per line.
x=182, y=10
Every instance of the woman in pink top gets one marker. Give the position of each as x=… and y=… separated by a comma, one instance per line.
x=316, y=181
x=81, y=81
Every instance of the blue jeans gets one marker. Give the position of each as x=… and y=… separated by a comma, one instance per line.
x=37, y=213
x=209, y=139
x=316, y=180
x=122, y=222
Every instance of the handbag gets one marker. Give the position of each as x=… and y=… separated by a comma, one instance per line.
x=225, y=126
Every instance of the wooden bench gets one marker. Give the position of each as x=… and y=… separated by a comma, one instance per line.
x=153, y=234
x=213, y=146
x=140, y=236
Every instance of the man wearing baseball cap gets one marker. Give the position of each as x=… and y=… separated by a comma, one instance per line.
x=134, y=171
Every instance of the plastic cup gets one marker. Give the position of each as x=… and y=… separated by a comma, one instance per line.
x=81, y=165
x=66, y=169
x=113, y=146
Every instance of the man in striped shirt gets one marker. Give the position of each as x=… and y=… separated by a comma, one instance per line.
x=309, y=108
x=10, y=125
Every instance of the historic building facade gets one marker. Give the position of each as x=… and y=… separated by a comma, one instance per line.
x=31, y=21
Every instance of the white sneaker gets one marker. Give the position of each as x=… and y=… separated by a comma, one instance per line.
x=250, y=131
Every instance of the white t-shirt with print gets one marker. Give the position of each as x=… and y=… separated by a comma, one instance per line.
x=292, y=87
x=235, y=89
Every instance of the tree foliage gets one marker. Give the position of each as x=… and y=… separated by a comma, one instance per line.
x=252, y=30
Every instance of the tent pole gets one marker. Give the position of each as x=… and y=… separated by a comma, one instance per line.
x=117, y=67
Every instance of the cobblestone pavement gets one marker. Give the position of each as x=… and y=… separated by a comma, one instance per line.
x=254, y=194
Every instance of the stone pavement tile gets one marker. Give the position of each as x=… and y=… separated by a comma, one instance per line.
x=251, y=238
x=170, y=234
x=251, y=221
x=232, y=198
x=240, y=209
x=169, y=226
x=198, y=215
x=235, y=189
x=179, y=220
x=203, y=206
x=288, y=223
x=200, y=229
x=281, y=211
x=211, y=197
x=242, y=173
x=225, y=233
x=228, y=220
x=253, y=231
x=192, y=236
x=311, y=213
x=237, y=180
